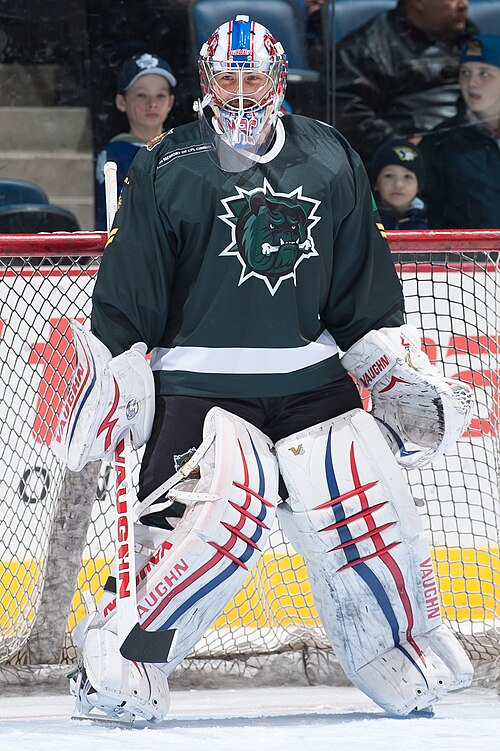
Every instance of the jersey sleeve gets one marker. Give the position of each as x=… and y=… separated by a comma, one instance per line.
x=365, y=290
x=131, y=294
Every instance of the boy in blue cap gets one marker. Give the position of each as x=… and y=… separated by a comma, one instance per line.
x=144, y=94
x=462, y=154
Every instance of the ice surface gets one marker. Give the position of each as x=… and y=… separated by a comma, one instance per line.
x=315, y=718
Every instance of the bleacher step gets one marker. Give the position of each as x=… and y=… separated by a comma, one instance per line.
x=31, y=84
x=59, y=172
x=45, y=128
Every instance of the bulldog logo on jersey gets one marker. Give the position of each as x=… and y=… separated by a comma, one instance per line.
x=270, y=233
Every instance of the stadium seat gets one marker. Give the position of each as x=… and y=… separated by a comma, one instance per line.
x=32, y=218
x=486, y=15
x=282, y=17
x=350, y=14
x=19, y=192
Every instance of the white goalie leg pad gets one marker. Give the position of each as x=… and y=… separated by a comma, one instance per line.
x=114, y=688
x=351, y=516
x=204, y=561
x=421, y=412
x=106, y=398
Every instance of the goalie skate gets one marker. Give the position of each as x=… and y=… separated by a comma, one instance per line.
x=109, y=688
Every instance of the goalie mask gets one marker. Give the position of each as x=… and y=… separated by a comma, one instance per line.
x=243, y=79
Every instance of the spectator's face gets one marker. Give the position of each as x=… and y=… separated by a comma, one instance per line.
x=480, y=86
x=147, y=102
x=397, y=187
x=314, y=5
x=441, y=17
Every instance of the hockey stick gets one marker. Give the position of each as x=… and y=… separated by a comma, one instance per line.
x=111, y=193
x=135, y=643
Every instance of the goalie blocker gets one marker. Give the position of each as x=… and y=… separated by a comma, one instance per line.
x=107, y=398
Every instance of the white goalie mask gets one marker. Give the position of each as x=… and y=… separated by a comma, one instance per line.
x=243, y=79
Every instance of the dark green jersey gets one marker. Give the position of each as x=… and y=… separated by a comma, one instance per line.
x=245, y=284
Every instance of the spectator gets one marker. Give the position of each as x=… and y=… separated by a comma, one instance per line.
x=397, y=75
x=314, y=33
x=397, y=177
x=144, y=95
x=462, y=154
x=314, y=5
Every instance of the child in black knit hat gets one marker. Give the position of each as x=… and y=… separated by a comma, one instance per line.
x=397, y=173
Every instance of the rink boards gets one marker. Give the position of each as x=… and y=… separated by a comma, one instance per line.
x=459, y=315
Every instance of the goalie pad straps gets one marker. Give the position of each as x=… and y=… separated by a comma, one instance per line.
x=107, y=397
x=350, y=514
x=175, y=487
x=421, y=413
x=194, y=573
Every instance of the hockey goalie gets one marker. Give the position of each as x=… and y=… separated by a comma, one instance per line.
x=245, y=258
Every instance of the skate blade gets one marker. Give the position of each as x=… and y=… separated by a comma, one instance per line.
x=127, y=719
x=424, y=712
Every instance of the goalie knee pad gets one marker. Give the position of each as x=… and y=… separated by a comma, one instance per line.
x=351, y=516
x=188, y=580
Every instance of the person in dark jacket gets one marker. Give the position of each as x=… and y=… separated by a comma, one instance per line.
x=397, y=75
x=462, y=154
x=398, y=173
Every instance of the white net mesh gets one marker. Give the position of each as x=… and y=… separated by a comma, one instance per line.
x=452, y=296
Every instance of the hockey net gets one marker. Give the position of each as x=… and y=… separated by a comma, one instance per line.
x=56, y=527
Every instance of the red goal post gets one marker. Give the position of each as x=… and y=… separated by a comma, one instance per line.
x=55, y=541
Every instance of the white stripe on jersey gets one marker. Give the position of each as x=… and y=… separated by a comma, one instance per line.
x=249, y=360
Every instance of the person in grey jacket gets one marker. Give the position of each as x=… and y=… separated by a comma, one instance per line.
x=397, y=75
